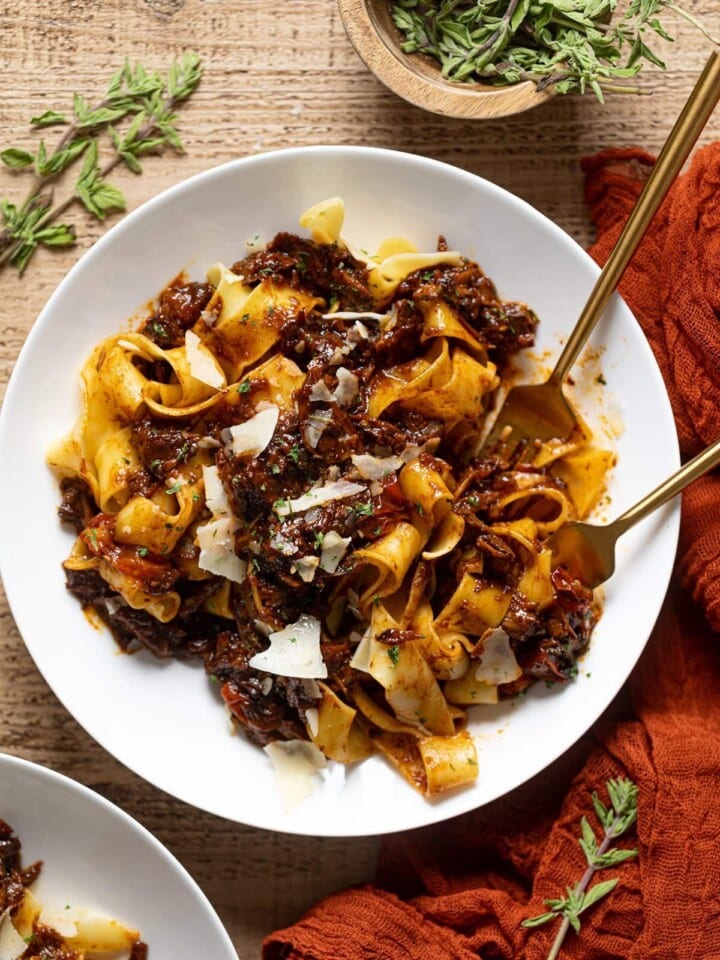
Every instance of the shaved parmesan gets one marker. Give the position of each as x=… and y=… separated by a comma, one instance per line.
x=314, y=427
x=12, y=945
x=208, y=443
x=353, y=315
x=294, y=651
x=215, y=496
x=307, y=567
x=358, y=332
x=256, y=433
x=203, y=365
x=348, y=387
x=333, y=550
x=284, y=546
x=375, y=468
x=320, y=393
x=335, y=490
x=498, y=663
x=217, y=549
x=295, y=764
x=313, y=720
x=361, y=658
x=129, y=346
x=266, y=685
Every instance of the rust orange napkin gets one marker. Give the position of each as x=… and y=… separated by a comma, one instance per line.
x=459, y=890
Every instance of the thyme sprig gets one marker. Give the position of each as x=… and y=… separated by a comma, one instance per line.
x=615, y=821
x=144, y=97
x=572, y=45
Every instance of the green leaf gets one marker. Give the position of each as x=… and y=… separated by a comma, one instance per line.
x=16, y=159
x=604, y=815
x=106, y=197
x=61, y=159
x=58, y=235
x=49, y=119
x=612, y=858
x=597, y=892
x=539, y=920
x=22, y=257
x=102, y=115
x=131, y=161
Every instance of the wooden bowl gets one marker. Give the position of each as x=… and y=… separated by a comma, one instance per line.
x=417, y=78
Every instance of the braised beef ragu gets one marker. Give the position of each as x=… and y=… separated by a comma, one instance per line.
x=315, y=441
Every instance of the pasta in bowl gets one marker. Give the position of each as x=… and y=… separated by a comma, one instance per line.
x=158, y=715
x=280, y=473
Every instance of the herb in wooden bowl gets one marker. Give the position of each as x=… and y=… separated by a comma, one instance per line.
x=567, y=45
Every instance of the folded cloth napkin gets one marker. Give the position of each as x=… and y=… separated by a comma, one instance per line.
x=459, y=890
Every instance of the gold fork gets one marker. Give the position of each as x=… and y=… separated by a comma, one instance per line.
x=587, y=550
x=541, y=411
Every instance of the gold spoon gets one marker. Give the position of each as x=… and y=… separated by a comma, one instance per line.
x=540, y=411
x=587, y=551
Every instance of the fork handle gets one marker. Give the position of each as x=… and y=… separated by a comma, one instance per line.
x=693, y=469
x=687, y=129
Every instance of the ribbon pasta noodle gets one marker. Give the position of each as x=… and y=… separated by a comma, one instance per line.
x=278, y=473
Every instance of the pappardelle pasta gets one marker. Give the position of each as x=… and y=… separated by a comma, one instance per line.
x=279, y=473
x=31, y=930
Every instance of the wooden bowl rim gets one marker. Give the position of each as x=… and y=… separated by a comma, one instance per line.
x=401, y=75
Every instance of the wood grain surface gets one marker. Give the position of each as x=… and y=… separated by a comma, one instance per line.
x=277, y=74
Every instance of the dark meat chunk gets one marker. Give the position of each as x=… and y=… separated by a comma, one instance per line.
x=267, y=708
x=13, y=878
x=88, y=586
x=162, y=449
x=153, y=573
x=178, y=309
x=185, y=637
x=78, y=506
x=48, y=945
x=327, y=270
x=401, y=343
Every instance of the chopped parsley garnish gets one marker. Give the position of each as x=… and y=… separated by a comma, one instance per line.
x=174, y=488
x=319, y=537
x=142, y=551
x=394, y=654
x=183, y=452
x=363, y=509
x=244, y=387
x=294, y=453
x=155, y=464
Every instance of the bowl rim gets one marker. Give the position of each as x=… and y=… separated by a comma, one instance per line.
x=422, y=88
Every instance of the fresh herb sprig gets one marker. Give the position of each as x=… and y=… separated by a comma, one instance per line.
x=148, y=98
x=572, y=45
x=615, y=821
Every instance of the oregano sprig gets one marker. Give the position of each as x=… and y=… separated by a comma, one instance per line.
x=615, y=820
x=144, y=98
x=572, y=45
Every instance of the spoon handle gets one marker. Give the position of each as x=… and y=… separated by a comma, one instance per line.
x=693, y=469
x=687, y=129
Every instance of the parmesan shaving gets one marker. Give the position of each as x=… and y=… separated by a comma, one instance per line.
x=12, y=945
x=203, y=365
x=314, y=427
x=294, y=651
x=311, y=689
x=215, y=496
x=361, y=658
x=313, y=720
x=333, y=550
x=307, y=567
x=498, y=663
x=348, y=387
x=354, y=315
x=256, y=433
x=284, y=546
x=217, y=549
x=295, y=765
x=320, y=393
x=375, y=468
x=335, y=490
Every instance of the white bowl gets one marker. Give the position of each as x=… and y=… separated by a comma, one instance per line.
x=96, y=856
x=164, y=720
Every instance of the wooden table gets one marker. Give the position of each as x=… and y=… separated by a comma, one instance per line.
x=277, y=75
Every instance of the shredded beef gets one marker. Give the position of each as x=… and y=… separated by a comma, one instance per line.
x=179, y=308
